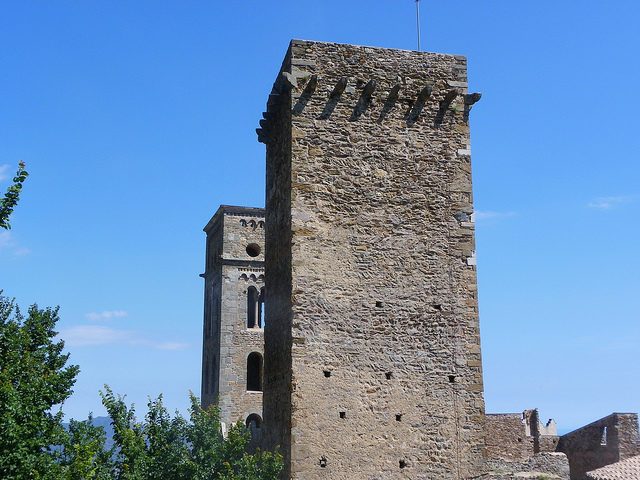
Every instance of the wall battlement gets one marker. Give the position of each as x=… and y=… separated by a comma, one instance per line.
x=352, y=91
x=603, y=442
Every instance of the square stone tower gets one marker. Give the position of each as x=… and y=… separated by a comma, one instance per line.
x=372, y=350
x=233, y=341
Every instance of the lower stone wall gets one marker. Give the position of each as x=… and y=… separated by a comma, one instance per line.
x=542, y=466
x=506, y=437
x=547, y=443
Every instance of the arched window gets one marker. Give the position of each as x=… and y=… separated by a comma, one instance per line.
x=261, y=313
x=252, y=307
x=254, y=422
x=254, y=372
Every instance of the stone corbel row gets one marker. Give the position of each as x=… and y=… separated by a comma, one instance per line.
x=288, y=81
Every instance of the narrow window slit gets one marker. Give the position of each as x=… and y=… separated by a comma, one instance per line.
x=603, y=438
x=261, y=311
x=252, y=307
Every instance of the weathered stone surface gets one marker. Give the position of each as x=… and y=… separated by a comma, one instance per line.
x=542, y=466
x=507, y=438
x=518, y=436
x=372, y=347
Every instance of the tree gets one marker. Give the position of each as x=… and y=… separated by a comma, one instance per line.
x=83, y=455
x=11, y=196
x=214, y=457
x=34, y=378
x=165, y=447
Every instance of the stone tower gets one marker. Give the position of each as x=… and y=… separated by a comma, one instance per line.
x=372, y=350
x=233, y=341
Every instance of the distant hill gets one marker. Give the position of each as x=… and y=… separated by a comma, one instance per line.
x=104, y=422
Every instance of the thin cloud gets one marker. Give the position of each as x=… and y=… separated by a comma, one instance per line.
x=93, y=335
x=6, y=240
x=9, y=244
x=106, y=315
x=100, y=335
x=607, y=203
x=171, y=346
x=4, y=172
x=483, y=215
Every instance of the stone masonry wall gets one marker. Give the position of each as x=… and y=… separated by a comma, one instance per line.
x=592, y=447
x=517, y=437
x=232, y=271
x=211, y=320
x=372, y=346
x=541, y=466
x=507, y=438
x=278, y=241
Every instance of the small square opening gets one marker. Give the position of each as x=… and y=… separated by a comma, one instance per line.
x=452, y=379
x=327, y=373
x=379, y=304
x=388, y=375
x=398, y=417
x=403, y=463
x=343, y=414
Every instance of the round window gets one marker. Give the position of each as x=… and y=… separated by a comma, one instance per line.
x=253, y=249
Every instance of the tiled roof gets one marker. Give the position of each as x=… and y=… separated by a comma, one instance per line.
x=625, y=470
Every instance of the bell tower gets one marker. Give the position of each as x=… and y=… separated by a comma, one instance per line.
x=234, y=318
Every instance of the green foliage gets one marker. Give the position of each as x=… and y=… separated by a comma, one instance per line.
x=33, y=379
x=11, y=197
x=166, y=447
x=83, y=455
x=128, y=436
x=215, y=457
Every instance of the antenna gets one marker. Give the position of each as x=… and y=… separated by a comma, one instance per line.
x=418, y=22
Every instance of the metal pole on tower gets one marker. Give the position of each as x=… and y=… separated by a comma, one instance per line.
x=418, y=21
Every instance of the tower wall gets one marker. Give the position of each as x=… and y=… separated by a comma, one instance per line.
x=372, y=352
x=228, y=340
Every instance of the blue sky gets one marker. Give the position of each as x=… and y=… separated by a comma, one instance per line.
x=136, y=120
